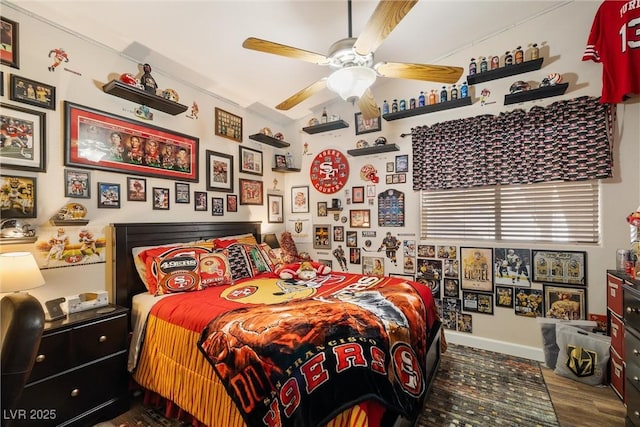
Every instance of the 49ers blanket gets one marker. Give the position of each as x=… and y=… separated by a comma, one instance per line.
x=296, y=353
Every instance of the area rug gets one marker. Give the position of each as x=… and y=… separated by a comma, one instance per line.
x=473, y=388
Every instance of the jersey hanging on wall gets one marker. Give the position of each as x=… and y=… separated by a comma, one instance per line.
x=614, y=41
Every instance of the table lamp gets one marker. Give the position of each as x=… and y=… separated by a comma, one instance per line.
x=271, y=240
x=19, y=272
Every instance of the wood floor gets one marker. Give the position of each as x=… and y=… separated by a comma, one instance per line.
x=580, y=405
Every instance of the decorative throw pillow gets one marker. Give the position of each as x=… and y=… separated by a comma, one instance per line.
x=238, y=262
x=223, y=242
x=215, y=270
x=289, y=249
x=257, y=261
x=583, y=355
x=272, y=256
x=178, y=271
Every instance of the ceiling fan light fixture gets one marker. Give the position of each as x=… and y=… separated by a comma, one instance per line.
x=351, y=82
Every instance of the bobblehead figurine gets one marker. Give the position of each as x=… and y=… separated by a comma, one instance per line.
x=147, y=80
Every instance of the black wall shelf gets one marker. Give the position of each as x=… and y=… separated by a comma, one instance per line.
x=530, y=95
x=285, y=169
x=510, y=70
x=461, y=102
x=17, y=240
x=374, y=150
x=325, y=127
x=130, y=93
x=269, y=140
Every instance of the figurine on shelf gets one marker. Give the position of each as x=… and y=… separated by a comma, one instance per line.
x=147, y=80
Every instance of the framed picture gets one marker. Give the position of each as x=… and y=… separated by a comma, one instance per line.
x=136, y=189
x=322, y=208
x=504, y=296
x=476, y=269
x=217, y=206
x=251, y=192
x=357, y=194
x=108, y=195
x=390, y=167
x=367, y=125
x=228, y=125
x=338, y=233
x=98, y=140
x=567, y=267
x=327, y=262
x=402, y=163
x=275, y=203
x=18, y=197
x=322, y=236
x=9, y=52
x=281, y=161
x=371, y=191
x=250, y=161
x=352, y=239
x=232, y=203
x=512, y=266
x=360, y=218
x=183, y=194
x=300, y=199
x=27, y=151
x=77, y=184
x=355, y=255
x=200, y=202
x=32, y=92
x=160, y=198
x=528, y=302
x=451, y=288
x=219, y=171
x=373, y=266
x=564, y=302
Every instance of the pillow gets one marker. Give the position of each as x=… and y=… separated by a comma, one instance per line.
x=583, y=355
x=257, y=261
x=272, y=256
x=549, y=344
x=289, y=249
x=178, y=271
x=238, y=262
x=215, y=270
x=223, y=242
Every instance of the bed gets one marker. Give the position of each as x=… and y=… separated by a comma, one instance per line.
x=190, y=352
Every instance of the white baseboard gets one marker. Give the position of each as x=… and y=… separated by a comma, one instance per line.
x=517, y=350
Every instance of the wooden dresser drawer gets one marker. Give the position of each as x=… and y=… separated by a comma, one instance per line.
x=614, y=295
x=631, y=308
x=54, y=355
x=633, y=404
x=99, y=339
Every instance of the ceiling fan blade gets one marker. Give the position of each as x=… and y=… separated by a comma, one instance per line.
x=384, y=19
x=368, y=106
x=305, y=93
x=283, y=50
x=433, y=73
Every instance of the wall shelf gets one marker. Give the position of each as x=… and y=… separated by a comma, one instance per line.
x=269, y=140
x=460, y=102
x=325, y=127
x=530, y=95
x=72, y=222
x=133, y=94
x=374, y=150
x=17, y=240
x=511, y=70
x=285, y=169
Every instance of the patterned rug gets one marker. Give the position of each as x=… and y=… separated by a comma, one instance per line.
x=473, y=388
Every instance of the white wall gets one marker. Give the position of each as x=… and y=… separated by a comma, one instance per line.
x=563, y=35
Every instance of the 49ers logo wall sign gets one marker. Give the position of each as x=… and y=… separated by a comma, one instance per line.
x=329, y=171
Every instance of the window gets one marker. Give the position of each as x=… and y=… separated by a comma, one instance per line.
x=558, y=212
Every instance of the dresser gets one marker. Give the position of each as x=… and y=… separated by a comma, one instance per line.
x=79, y=377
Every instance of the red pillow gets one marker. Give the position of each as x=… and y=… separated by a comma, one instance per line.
x=215, y=270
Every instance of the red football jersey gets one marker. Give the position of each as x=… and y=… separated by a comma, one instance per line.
x=615, y=42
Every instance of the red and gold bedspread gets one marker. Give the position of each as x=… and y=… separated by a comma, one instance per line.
x=291, y=353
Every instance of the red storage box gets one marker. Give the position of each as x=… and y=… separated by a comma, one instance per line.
x=617, y=334
x=615, y=301
x=616, y=374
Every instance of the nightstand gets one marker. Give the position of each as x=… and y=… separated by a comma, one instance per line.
x=80, y=374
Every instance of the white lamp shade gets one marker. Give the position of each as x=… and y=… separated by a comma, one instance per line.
x=351, y=82
x=19, y=272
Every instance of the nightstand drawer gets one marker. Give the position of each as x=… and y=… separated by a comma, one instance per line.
x=99, y=339
x=631, y=308
x=54, y=355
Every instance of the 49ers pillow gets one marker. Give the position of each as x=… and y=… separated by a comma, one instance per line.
x=176, y=267
x=214, y=270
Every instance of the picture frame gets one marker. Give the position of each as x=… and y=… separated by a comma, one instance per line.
x=327, y=262
x=322, y=236
x=228, y=125
x=371, y=191
x=281, y=161
x=565, y=302
x=183, y=193
x=9, y=50
x=477, y=302
x=360, y=218
x=161, y=199
x=250, y=160
x=367, y=125
x=357, y=194
x=300, y=199
x=108, y=195
x=477, y=269
x=219, y=171
x=200, y=201
x=16, y=154
x=504, y=296
x=217, y=206
x=95, y=139
x=18, y=197
x=373, y=266
x=136, y=189
x=322, y=209
x=512, y=266
x=275, y=204
x=32, y=92
x=390, y=167
x=528, y=302
x=251, y=192
x=564, y=267
x=352, y=239
x=355, y=256
x=232, y=203
x=338, y=233
x=77, y=184
x=451, y=288
x=402, y=163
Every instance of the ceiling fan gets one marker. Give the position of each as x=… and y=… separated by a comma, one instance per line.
x=351, y=60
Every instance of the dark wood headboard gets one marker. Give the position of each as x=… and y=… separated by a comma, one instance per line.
x=125, y=282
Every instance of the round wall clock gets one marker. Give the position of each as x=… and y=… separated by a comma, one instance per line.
x=329, y=171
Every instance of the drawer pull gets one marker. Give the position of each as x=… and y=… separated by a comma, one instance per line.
x=636, y=379
x=636, y=413
x=102, y=338
x=40, y=358
x=636, y=352
x=632, y=310
x=75, y=392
